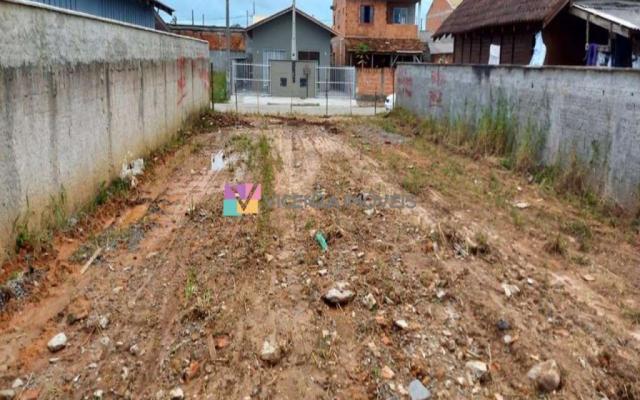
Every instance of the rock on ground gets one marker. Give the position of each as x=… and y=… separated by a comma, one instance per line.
x=339, y=295
x=7, y=394
x=478, y=370
x=176, y=394
x=57, y=343
x=546, y=376
x=270, y=352
x=417, y=391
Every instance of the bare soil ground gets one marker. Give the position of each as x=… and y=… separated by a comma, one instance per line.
x=184, y=297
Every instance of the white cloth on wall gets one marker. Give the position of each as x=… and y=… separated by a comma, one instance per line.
x=539, y=52
x=494, y=54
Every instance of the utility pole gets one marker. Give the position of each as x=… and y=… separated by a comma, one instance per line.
x=294, y=45
x=193, y=20
x=228, y=47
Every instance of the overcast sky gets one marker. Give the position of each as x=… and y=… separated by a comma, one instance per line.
x=214, y=10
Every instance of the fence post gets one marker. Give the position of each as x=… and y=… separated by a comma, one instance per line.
x=235, y=91
x=213, y=87
x=326, y=95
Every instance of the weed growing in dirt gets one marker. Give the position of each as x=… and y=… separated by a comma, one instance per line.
x=415, y=181
x=581, y=232
x=556, y=246
x=191, y=286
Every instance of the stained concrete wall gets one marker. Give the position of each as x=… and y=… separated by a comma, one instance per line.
x=593, y=114
x=79, y=96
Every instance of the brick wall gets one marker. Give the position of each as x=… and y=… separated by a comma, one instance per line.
x=439, y=11
x=347, y=21
x=369, y=82
x=217, y=38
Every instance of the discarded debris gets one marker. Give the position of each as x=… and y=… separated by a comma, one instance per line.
x=217, y=161
x=546, y=376
x=510, y=290
x=402, y=324
x=522, y=205
x=322, y=242
x=339, y=295
x=57, y=343
x=131, y=170
x=91, y=260
x=417, y=391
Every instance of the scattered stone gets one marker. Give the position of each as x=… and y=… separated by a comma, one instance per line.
x=417, y=391
x=387, y=373
x=478, y=370
x=503, y=325
x=176, y=394
x=323, y=272
x=192, y=371
x=17, y=383
x=54, y=360
x=105, y=341
x=369, y=301
x=360, y=255
x=270, y=353
x=98, y=394
x=522, y=205
x=57, y=343
x=7, y=394
x=402, y=324
x=507, y=339
x=588, y=278
x=369, y=211
x=103, y=322
x=510, y=290
x=546, y=376
x=339, y=295
x=441, y=294
x=269, y=257
x=134, y=350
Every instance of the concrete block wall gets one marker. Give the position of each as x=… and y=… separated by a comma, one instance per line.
x=592, y=114
x=79, y=96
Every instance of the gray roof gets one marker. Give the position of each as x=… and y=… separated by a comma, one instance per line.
x=298, y=13
x=625, y=13
x=440, y=46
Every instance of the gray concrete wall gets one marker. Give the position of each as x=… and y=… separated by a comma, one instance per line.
x=79, y=96
x=276, y=35
x=593, y=114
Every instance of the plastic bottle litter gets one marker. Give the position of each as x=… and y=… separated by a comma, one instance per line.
x=322, y=241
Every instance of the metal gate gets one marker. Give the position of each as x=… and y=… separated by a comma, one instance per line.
x=254, y=79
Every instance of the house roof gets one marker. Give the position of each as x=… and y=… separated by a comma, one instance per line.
x=476, y=14
x=160, y=5
x=286, y=11
x=625, y=13
x=414, y=46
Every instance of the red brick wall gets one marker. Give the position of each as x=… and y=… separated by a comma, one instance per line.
x=439, y=11
x=217, y=39
x=347, y=21
x=369, y=82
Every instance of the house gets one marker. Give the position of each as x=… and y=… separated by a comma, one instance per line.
x=440, y=51
x=438, y=12
x=580, y=32
x=270, y=38
x=375, y=33
x=217, y=38
x=136, y=12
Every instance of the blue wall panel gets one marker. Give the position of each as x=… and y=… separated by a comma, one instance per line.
x=130, y=11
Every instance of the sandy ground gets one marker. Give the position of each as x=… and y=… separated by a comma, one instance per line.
x=182, y=297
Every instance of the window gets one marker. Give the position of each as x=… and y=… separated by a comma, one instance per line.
x=309, y=56
x=283, y=82
x=303, y=82
x=366, y=14
x=400, y=15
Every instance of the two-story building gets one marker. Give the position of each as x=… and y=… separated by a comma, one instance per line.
x=375, y=33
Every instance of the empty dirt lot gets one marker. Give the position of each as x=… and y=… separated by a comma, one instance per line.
x=459, y=297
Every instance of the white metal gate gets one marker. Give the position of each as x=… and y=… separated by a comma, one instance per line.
x=254, y=79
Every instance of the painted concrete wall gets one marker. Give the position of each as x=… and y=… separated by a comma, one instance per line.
x=592, y=113
x=78, y=97
x=276, y=35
